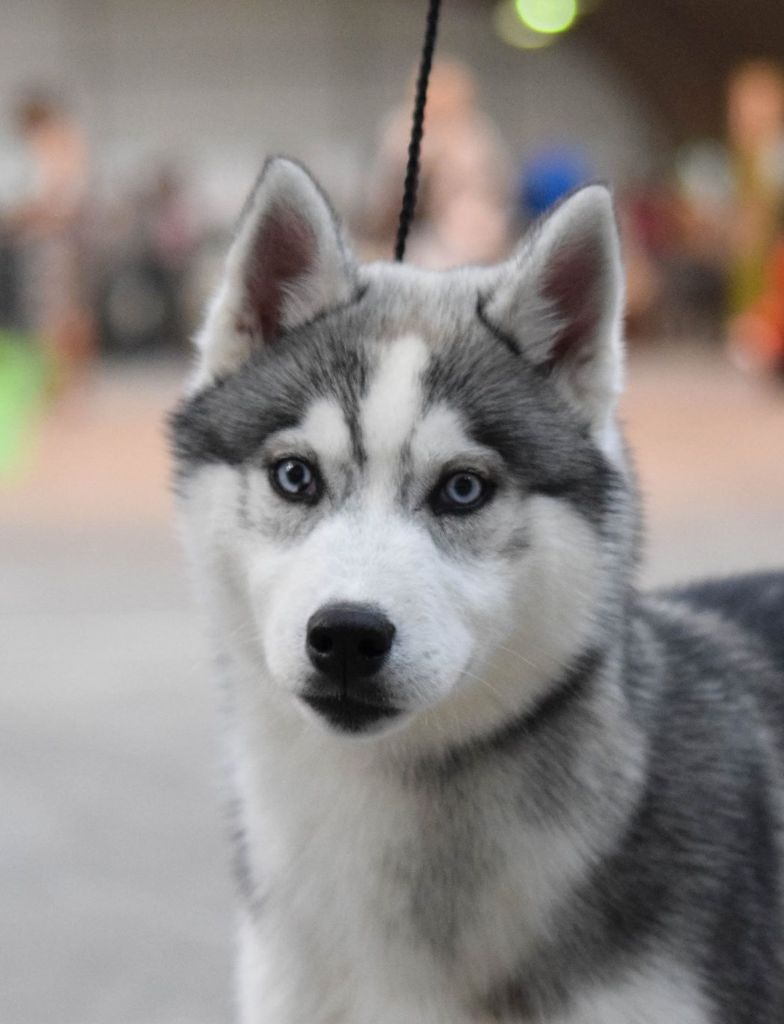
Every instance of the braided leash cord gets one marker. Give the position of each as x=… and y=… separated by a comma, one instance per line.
x=412, y=167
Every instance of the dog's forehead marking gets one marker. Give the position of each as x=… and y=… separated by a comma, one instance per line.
x=325, y=429
x=439, y=434
x=392, y=406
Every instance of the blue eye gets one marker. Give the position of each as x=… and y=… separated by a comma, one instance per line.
x=295, y=480
x=462, y=492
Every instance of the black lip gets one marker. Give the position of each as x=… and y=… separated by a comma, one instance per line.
x=348, y=714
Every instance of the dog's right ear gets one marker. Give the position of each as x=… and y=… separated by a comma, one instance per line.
x=288, y=262
x=560, y=298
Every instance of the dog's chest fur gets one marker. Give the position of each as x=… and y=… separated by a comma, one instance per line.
x=376, y=882
x=379, y=900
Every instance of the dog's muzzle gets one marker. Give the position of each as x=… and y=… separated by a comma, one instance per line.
x=348, y=645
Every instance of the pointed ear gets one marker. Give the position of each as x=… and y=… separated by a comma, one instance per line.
x=561, y=299
x=287, y=263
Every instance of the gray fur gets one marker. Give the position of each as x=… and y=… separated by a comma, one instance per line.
x=696, y=869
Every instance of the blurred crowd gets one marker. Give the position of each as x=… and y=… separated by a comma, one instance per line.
x=81, y=275
x=703, y=234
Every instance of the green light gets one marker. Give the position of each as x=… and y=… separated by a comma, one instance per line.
x=514, y=32
x=547, y=16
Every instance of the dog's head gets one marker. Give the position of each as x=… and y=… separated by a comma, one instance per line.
x=402, y=486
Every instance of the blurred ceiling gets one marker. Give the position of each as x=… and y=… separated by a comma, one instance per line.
x=676, y=54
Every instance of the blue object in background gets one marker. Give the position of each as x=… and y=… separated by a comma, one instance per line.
x=549, y=175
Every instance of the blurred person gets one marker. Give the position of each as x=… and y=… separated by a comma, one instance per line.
x=755, y=125
x=168, y=218
x=174, y=233
x=696, y=255
x=462, y=211
x=635, y=209
x=48, y=223
x=141, y=300
x=757, y=334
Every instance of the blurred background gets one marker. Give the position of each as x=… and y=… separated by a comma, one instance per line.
x=130, y=133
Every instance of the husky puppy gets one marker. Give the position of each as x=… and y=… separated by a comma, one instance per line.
x=479, y=777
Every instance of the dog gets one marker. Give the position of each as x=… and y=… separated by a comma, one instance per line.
x=478, y=777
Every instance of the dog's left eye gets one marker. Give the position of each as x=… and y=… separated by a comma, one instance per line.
x=295, y=480
x=461, y=492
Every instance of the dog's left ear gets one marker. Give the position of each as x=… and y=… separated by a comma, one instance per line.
x=561, y=299
x=288, y=262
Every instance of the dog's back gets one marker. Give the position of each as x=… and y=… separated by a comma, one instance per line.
x=755, y=602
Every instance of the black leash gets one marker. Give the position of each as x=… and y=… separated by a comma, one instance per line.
x=412, y=167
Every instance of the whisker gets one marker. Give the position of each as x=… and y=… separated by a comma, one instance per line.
x=499, y=697
x=518, y=655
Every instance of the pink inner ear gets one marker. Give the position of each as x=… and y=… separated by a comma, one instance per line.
x=573, y=284
x=283, y=250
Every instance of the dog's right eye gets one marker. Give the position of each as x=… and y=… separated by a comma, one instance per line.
x=461, y=492
x=295, y=480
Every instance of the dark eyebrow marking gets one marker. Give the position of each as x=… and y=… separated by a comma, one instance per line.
x=506, y=339
x=355, y=434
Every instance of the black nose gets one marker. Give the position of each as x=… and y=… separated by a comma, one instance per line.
x=349, y=641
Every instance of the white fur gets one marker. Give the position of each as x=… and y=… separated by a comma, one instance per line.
x=660, y=994
x=391, y=408
x=325, y=428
